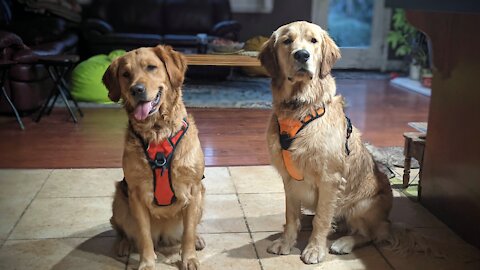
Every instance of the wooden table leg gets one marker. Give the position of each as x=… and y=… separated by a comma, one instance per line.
x=407, y=162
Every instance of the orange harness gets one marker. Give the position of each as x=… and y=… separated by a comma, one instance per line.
x=159, y=157
x=289, y=128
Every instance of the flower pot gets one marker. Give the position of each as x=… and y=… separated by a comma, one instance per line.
x=427, y=80
x=414, y=72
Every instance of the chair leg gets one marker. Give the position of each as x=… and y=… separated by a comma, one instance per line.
x=69, y=96
x=50, y=107
x=65, y=99
x=407, y=163
x=19, y=120
x=41, y=112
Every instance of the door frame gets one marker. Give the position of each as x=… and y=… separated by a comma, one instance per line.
x=372, y=57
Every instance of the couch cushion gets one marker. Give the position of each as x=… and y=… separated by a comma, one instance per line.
x=139, y=16
x=63, y=44
x=188, y=17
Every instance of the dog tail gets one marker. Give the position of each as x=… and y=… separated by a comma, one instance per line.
x=406, y=241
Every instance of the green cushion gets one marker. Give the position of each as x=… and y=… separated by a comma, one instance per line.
x=87, y=78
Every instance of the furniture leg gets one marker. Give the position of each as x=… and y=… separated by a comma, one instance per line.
x=407, y=162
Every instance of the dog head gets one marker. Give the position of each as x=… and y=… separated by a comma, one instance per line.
x=299, y=51
x=146, y=79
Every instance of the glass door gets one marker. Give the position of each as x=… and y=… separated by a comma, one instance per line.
x=359, y=28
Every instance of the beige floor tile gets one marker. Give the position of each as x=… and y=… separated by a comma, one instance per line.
x=81, y=183
x=218, y=181
x=17, y=189
x=256, y=179
x=363, y=258
x=411, y=213
x=264, y=212
x=222, y=214
x=223, y=251
x=459, y=254
x=66, y=253
x=65, y=217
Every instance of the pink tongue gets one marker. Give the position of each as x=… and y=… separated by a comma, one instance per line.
x=142, y=110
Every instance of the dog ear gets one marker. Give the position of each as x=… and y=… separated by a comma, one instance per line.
x=268, y=57
x=110, y=80
x=330, y=55
x=175, y=64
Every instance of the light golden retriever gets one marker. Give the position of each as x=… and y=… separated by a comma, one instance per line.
x=341, y=182
x=149, y=81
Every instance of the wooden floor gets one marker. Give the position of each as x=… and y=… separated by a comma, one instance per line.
x=228, y=136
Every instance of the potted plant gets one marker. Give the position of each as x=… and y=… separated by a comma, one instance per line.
x=427, y=77
x=405, y=40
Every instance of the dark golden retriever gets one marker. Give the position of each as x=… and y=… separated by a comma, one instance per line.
x=320, y=156
x=149, y=82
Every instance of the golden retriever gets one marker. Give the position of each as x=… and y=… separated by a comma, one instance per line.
x=340, y=181
x=149, y=82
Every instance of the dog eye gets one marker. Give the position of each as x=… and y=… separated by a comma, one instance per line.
x=287, y=41
x=126, y=74
x=151, y=67
x=314, y=40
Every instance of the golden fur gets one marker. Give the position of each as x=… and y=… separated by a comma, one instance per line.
x=136, y=218
x=339, y=188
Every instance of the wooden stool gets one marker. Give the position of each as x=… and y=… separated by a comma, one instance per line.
x=58, y=66
x=414, y=147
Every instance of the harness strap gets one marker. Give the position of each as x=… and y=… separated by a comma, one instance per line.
x=159, y=157
x=289, y=128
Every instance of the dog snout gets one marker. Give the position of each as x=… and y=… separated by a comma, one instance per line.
x=138, y=90
x=301, y=56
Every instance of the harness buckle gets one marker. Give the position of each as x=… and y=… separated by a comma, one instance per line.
x=159, y=161
x=285, y=141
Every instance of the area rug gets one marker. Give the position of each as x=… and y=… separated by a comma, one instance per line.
x=390, y=160
x=237, y=91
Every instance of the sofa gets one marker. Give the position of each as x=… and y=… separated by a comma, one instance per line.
x=184, y=24
x=24, y=37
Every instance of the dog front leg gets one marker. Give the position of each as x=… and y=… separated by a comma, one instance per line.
x=284, y=244
x=144, y=238
x=191, y=216
x=317, y=245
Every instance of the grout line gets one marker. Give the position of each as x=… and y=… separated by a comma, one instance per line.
x=383, y=256
x=28, y=206
x=246, y=223
x=76, y=197
x=59, y=238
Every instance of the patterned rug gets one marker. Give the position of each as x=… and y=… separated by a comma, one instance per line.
x=237, y=91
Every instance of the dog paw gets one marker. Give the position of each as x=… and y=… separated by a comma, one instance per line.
x=123, y=248
x=199, y=243
x=313, y=254
x=191, y=263
x=280, y=247
x=343, y=245
x=146, y=265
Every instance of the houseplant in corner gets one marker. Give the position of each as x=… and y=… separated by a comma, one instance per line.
x=406, y=41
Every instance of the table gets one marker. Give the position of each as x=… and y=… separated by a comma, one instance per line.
x=451, y=164
x=231, y=60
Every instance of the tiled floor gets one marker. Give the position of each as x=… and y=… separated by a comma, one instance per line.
x=59, y=219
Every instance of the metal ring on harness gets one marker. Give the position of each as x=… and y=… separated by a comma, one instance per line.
x=160, y=160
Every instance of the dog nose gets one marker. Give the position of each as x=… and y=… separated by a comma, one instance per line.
x=138, y=88
x=301, y=56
